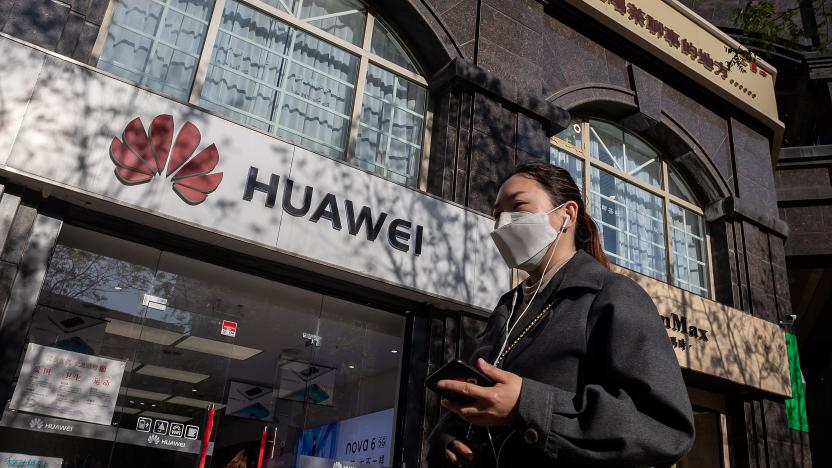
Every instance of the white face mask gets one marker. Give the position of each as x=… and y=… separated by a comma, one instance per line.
x=522, y=237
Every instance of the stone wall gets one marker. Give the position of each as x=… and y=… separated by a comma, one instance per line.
x=28, y=231
x=68, y=27
x=548, y=51
x=804, y=191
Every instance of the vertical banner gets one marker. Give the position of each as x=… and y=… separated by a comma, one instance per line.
x=796, y=405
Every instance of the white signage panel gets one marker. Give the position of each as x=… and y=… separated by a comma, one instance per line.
x=18, y=460
x=19, y=76
x=367, y=438
x=68, y=385
x=91, y=133
x=364, y=440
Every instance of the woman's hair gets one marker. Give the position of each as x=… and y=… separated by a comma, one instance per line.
x=239, y=461
x=561, y=188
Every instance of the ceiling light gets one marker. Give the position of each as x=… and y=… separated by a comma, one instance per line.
x=169, y=417
x=193, y=389
x=144, y=394
x=394, y=351
x=125, y=410
x=351, y=366
x=172, y=374
x=129, y=365
x=138, y=332
x=185, y=401
x=218, y=348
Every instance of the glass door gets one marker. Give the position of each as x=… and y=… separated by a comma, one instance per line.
x=140, y=357
x=175, y=396
x=71, y=395
x=352, y=388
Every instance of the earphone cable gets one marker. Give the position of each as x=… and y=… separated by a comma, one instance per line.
x=528, y=305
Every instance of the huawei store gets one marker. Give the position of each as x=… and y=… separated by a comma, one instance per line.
x=125, y=363
x=240, y=233
x=209, y=295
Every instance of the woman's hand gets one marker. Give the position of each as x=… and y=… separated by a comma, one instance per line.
x=491, y=406
x=458, y=453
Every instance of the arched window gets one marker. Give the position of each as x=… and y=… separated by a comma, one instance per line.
x=649, y=218
x=325, y=75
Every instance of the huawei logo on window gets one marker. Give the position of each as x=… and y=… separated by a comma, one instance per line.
x=140, y=156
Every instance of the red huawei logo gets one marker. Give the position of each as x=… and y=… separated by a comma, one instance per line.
x=139, y=159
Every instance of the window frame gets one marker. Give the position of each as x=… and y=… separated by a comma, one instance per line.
x=362, y=52
x=585, y=158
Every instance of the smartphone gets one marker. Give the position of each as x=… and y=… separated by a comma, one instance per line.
x=460, y=371
x=69, y=325
x=313, y=394
x=251, y=393
x=316, y=394
x=253, y=411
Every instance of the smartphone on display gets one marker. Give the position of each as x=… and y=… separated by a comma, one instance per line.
x=309, y=372
x=254, y=411
x=316, y=394
x=460, y=371
x=70, y=324
x=251, y=393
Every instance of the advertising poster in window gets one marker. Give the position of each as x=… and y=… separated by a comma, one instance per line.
x=361, y=441
x=67, y=384
x=249, y=401
x=303, y=381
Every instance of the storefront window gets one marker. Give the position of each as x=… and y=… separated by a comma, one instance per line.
x=691, y=271
x=573, y=165
x=649, y=218
x=677, y=185
x=631, y=224
x=281, y=80
x=133, y=350
x=624, y=151
x=269, y=70
x=157, y=43
x=385, y=45
x=391, y=126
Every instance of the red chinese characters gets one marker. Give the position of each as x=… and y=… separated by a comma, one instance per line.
x=101, y=382
x=656, y=28
x=619, y=5
x=636, y=14
x=689, y=49
x=706, y=60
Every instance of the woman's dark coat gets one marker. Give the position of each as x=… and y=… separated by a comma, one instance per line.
x=601, y=383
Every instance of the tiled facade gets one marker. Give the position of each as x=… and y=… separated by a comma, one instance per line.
x=67, y=27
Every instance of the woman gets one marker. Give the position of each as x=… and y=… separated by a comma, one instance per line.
x=584, y=372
